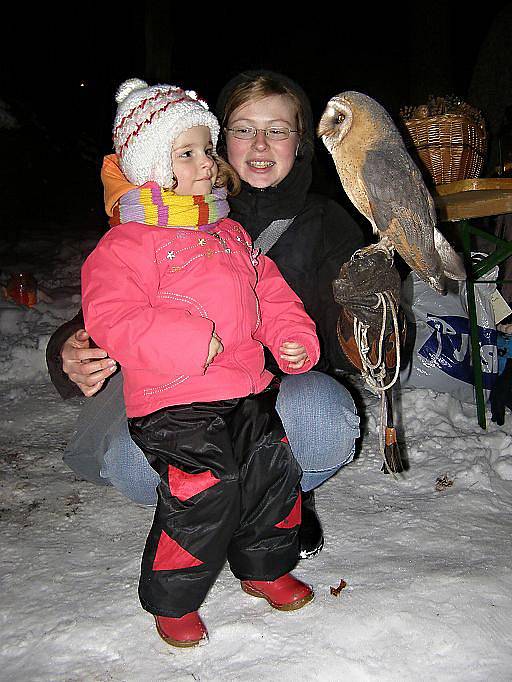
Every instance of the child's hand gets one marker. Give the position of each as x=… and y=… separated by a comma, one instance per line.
x=214, y=349
x=294, y=353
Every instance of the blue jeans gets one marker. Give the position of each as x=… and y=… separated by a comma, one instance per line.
x=321, y=423
x=319, y=418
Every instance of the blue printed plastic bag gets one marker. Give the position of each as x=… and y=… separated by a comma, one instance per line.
x=441, y=357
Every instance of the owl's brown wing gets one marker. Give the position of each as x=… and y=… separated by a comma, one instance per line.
x=395, y=188
x=403, y=209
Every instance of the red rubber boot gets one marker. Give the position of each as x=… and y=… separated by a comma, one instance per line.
x=285, y=594
x=189, y=630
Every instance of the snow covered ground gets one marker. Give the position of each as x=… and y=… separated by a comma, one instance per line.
x=429, y=574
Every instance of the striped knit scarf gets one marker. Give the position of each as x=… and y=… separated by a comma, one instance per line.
x=152, y=205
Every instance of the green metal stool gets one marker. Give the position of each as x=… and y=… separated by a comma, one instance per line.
x=459, y=202
x=474, y=272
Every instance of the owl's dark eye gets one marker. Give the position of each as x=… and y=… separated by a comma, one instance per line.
x=340, y=118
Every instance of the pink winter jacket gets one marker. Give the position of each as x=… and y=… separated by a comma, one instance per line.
x=152, y=297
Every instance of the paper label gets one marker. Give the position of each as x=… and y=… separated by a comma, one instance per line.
x=500, y=307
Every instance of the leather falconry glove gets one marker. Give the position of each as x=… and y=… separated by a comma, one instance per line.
x=369, y=287
x=364, y=276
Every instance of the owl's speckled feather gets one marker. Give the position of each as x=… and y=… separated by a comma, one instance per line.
x=384, y=184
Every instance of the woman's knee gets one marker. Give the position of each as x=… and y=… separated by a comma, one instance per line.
x=320, y=420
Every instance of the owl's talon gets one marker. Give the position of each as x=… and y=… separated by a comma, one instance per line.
x=384, y=246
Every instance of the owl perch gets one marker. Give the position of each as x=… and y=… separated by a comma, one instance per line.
x=383, y=183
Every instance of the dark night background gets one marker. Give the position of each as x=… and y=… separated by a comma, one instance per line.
x=61, y=68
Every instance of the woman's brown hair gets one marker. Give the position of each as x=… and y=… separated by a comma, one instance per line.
x=227, y=176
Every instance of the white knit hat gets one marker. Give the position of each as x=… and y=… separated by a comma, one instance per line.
x=147, y=122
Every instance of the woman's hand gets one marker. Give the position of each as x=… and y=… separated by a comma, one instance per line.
x=85, y=366
x=214, y=349
x=294, y=353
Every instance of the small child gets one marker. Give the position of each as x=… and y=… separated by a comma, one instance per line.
x=177, y=295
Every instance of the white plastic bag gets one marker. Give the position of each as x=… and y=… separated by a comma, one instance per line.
x=441, y=357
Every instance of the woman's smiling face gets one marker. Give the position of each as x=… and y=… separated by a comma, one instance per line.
x=259, y=161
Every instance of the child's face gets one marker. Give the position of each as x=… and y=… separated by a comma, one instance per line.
x=192, y=161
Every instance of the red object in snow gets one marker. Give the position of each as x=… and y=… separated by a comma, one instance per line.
x=22, y=288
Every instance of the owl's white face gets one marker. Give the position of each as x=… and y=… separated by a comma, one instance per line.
x=335, y=122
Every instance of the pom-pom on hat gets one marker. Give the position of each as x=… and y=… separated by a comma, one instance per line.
x=147, y=122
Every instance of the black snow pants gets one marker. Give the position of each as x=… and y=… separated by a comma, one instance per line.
x=228, y=489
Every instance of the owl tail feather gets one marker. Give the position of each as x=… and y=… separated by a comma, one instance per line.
x=451, y=262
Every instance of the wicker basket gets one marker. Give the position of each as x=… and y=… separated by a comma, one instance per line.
x=451, y=146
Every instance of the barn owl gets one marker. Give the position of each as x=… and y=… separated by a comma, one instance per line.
x=384, y=184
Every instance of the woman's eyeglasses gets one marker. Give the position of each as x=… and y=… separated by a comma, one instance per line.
x=248, y=132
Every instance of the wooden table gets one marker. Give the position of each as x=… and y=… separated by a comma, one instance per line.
x=475, y=198
x=459, y=202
